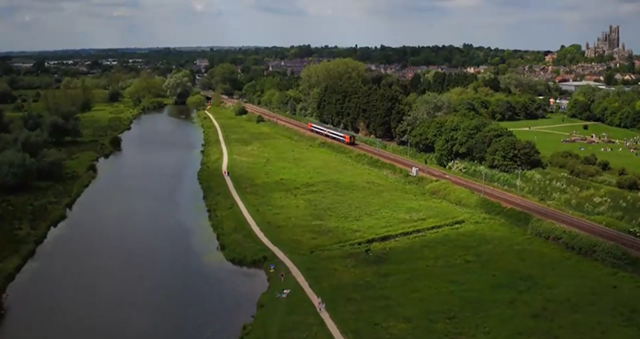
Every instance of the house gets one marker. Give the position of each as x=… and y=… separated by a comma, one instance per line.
x=550, y=57
x=593, y=77
x=565, y=78
x=200, y=65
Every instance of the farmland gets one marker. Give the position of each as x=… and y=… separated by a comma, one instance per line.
x=443, y=261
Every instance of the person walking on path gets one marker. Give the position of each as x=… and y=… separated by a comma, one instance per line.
x=319, y=304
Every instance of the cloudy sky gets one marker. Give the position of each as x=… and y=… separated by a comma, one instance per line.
x=524, y=24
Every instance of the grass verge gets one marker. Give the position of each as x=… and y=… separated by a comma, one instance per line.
x=293, y=317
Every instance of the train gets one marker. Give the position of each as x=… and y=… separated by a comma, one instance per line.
x=344, y=137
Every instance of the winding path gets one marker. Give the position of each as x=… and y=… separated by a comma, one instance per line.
x=294, y=270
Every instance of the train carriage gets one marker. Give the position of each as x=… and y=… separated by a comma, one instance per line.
x=332, y=133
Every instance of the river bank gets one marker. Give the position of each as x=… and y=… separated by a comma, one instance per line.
x=136, y=258
x=43, y=207
x=294, y=317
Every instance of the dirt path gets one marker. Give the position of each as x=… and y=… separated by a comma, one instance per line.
x=550, y=126
x=294, y=270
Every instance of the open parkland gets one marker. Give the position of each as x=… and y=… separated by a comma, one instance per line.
x=396, y=256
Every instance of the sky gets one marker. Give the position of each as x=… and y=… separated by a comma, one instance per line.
x=515, y=24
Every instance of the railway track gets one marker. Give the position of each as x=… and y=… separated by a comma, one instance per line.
x=627, y=241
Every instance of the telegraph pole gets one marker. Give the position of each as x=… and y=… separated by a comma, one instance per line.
x=519, y=173
x=483, y=173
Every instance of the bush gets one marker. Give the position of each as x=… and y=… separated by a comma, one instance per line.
x=116, y=142
x=628, y=182
x=259, y=119
x=562, y=159
x=604, y=165
x=585, y=127
x=18, y=107
x=239, y=110
x=583, y=171
x=151, y=104
x=196, y=101
x=590, y=160
x=114, y=95
x=622, y=171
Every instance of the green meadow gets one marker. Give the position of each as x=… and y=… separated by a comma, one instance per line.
x=400, y=257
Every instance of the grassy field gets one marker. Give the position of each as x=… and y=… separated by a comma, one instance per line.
x=552, y=119
x=444, y=262
x=27, y=217
x=547, y=135
x=294, y=317
x=548, y=143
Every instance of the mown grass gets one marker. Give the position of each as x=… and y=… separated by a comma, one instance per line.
x=489, y=277
x=27, y=217
x=551, y=119
x=294, y=317
x=548, y=143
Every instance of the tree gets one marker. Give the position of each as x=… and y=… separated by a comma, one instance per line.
x=196, y=101
x=4, y=124
x=6, y=94
x=16, y=169
x=178, y=87
x=224, y=78
x=147, y=86
x=50, y=165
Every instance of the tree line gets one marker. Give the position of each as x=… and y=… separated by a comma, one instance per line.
x=28, y=152
x=444, y=55
x=619, y=107
x=455, y=121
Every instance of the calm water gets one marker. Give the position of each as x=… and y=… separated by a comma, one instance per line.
x=136, y=258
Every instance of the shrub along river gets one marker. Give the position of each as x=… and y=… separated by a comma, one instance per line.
x=136, y=257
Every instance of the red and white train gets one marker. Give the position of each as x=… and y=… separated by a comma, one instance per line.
x=347, y=138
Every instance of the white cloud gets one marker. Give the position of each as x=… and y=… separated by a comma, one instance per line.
x=543, y=24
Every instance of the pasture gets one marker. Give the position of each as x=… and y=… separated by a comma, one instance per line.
x=442, y=262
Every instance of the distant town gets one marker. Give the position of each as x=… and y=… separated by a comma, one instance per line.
x=607, y=46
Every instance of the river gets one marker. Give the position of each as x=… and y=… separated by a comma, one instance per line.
x=136, y=257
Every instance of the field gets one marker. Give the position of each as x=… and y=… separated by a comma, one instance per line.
x=444, y=263
x=547, y=134
x=27, y=217
x=551, y=120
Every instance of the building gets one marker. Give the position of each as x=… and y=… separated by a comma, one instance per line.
x=608, y=44
x=571, y=86
x=200, y=65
